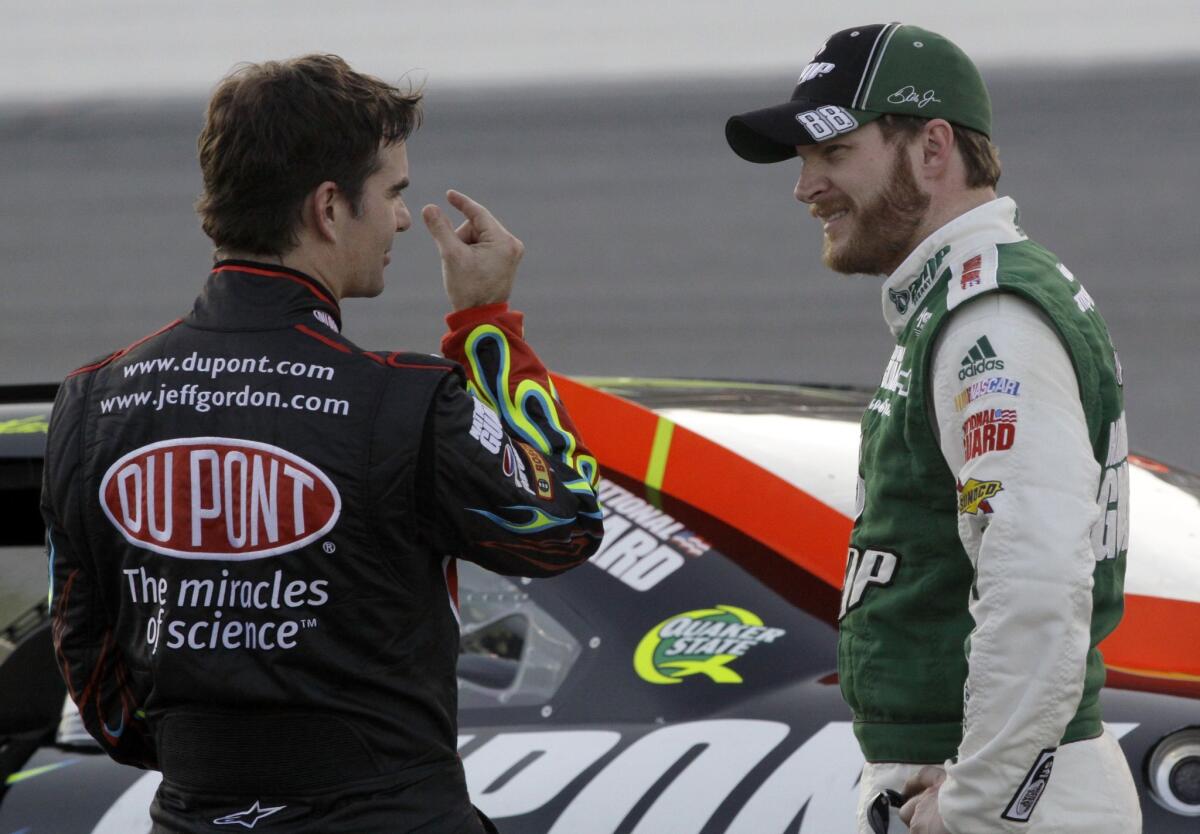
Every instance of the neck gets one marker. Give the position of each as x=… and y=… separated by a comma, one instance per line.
x=293, y=259
x=950, y=206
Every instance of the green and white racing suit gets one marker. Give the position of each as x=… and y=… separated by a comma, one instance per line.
x=987, y=559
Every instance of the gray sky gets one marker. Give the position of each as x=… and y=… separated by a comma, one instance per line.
x=66, y=49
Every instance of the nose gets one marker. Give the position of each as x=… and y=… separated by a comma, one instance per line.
x=403, y=218
x=810, y=185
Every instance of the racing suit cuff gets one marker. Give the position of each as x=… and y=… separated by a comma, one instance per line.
x=483, y=314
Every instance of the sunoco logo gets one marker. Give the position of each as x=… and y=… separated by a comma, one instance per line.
x=218, y=498
x=701, y=642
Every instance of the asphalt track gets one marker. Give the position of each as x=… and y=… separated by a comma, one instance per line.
x=651, y=249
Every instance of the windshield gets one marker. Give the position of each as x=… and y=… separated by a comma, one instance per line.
x=512, y=653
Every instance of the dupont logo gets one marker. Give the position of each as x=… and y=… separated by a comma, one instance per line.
x=218, y=498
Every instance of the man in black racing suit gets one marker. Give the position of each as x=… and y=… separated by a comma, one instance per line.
x=252, y=523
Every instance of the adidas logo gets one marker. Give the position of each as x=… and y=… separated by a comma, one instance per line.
x=979, y=359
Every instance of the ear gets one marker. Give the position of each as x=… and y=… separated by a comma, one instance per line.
x=322, y=210
x=937, y=146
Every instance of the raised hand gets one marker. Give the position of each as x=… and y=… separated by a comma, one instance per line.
x=479, y=258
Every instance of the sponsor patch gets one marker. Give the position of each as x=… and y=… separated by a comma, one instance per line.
x=981, y=358
x=973, y=496
x=895, y=376
x=972, y=273
x=992, y=385
x=1083, y=300
x=922, y=320
x=485, y=427
x=972, y=276
x=701, y=642
x=864, y=569
x=541, y=472
x=514, y=468
x=218, y=498
x=1020, y=808
x=815, y=70
x=992, y=430
x=326, y=319
x=642, y=545
x=920, y=286
x=1066, y=273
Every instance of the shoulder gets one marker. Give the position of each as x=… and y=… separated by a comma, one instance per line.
x=1019, y=266
x=412, y=361
x=108, y=358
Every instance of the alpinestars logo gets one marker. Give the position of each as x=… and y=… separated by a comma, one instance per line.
x=981, y=358
x=1020, y=809
x=250, y=817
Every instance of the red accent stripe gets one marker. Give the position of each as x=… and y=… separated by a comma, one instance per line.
x=308, y=285
x=307, y=331
x=391, y=360
x=374, y=357
x=713, y=479
x=123, y=350
x=1148, y=639
x=452, y=579
x=1118, y=679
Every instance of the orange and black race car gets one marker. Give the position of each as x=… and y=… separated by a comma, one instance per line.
x=683, y=682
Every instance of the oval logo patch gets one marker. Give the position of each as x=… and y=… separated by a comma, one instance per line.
x=218, y=498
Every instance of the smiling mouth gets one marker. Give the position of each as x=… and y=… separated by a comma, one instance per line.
x=831, y=219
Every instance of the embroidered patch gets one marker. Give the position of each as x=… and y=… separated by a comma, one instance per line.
x=1020, y=808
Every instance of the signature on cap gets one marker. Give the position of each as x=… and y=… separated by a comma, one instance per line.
x=908, y=95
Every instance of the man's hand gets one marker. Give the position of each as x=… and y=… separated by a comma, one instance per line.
x=479, y=258
x=920, y=813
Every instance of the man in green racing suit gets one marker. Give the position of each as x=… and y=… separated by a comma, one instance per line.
x=987, y=558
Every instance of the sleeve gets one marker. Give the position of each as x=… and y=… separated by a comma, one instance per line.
x=1016, y=437
x=98, y=678
x=514, y=483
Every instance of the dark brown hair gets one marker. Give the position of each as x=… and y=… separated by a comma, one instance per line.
x=275, y=131
x=979, y=155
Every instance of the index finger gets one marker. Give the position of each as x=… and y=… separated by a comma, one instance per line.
x=473, y=211
x=929, y=776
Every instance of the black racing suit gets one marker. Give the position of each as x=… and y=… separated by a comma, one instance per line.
x=252, y=526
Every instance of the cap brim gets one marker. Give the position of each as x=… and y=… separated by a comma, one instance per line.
x=772, y=134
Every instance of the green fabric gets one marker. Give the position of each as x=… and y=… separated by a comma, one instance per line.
x=901, y=657
x=921, y=73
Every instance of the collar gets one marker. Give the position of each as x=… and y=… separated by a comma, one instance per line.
x=252, y=295
x=993, y=222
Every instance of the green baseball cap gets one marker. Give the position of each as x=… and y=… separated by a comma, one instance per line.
x=859, y=75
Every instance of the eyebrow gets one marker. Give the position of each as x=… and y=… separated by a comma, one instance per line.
x=400, y=186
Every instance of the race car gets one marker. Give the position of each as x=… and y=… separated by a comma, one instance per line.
x=682, y=682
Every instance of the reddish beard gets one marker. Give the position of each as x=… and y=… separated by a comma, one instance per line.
x=884, y=231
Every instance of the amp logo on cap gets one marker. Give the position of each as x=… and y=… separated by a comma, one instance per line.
x=815, y=70
x=827, y=122
x=218, y=498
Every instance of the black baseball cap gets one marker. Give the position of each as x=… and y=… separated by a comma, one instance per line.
x=859, y=75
